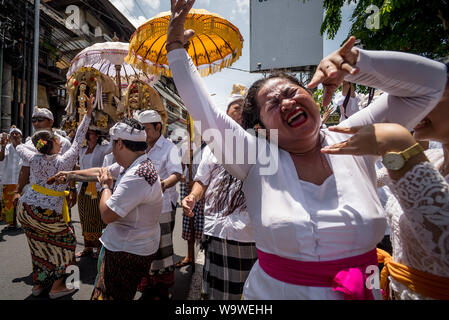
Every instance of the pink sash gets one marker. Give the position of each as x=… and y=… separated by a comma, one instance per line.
x=346, y=275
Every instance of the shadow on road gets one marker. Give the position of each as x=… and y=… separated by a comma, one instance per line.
x=27, y=280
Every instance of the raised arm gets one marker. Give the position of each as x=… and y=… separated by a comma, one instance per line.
x=413, y=84
x=413, y=87
x=197, y=99
x=72, y=154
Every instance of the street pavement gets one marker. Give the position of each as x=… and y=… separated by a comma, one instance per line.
x=16, y=269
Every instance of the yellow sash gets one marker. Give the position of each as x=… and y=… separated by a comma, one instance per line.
x=54, y=193
x=421, y=282
x=91, y=190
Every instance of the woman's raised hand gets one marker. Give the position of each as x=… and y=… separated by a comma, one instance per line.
x=90, y=103
x=374, y=139
x=177, y=37
x=332, y=69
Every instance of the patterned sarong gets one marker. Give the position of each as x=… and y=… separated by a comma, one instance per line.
x=90, y=218
x=198, y=218
x=227, y=265
x=51, y=241
x=8, y=210
x=119, y=276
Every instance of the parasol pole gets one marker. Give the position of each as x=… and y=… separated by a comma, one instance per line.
x=190, y=173
x=118, y=68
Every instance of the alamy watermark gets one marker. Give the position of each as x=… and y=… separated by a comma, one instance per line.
x=233, y=147
x=73, y=21
x=373, y=20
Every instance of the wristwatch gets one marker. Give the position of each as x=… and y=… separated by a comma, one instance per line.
x=396, y=160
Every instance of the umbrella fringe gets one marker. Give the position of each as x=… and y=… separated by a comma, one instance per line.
x=155, y=29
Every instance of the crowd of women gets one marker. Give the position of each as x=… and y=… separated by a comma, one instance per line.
x=310, y=230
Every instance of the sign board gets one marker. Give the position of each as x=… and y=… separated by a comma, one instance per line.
x=285, y=34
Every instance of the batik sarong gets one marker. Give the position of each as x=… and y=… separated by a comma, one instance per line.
x=8, y=210
x=120, y=274
x=90, y=218
x=51, y=241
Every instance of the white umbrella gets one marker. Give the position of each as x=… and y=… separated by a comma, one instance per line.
x=109, y=59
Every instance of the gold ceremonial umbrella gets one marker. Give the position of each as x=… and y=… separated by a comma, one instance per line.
x=217, y=43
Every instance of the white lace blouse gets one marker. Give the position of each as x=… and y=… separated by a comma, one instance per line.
x=43, y=167
x=418, y=215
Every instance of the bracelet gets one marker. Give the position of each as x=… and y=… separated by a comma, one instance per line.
x=104, y=187
x=172, y=42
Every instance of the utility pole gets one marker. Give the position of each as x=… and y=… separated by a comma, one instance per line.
x=35, y=55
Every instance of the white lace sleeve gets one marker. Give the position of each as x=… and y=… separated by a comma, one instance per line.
x=383, y=179
x=423, y=194
x=26, y=154
x=71, y=155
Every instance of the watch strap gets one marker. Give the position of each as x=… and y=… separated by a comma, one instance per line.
x=412, y=151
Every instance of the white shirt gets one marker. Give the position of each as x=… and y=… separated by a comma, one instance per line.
x=11, y=166
x=93, y=160
x=137, y=199
x=298, y=220
x=354, y=105
x=108, y=160
x=235, y=226
x=165, y=157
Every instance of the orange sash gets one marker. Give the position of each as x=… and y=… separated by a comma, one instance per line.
x=421, y=282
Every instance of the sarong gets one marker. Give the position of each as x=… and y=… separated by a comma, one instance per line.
x=8, y=210
x=227, y=265
x=90, y=218
x=119, y=276
x=198, y=218
x=51, y=241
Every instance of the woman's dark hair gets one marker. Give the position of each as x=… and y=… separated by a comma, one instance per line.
x=46, y=145
x=134, y=146
x=100, y=136
x=251, y=111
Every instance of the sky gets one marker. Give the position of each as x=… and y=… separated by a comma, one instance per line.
x=237, y=12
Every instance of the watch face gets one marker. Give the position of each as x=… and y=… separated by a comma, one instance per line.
x=393, y=161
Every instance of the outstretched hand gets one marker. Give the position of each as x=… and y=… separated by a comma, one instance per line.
x=332, y=69
x=373, y=139
x=59, y=178
x=177, y=37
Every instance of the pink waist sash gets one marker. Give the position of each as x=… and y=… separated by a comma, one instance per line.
x=346, y=275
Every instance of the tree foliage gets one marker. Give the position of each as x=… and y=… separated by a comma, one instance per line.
x=416, y=26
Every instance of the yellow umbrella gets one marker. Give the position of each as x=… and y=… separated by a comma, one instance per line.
x=217, y=43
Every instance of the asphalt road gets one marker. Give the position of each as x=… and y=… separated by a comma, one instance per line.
x=16, y=269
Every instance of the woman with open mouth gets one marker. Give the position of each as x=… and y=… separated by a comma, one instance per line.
x=316, y=218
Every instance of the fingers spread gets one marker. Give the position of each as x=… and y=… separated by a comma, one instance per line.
x=338, y=149
x=346, y=48
x=347, y=67
x=350, y=130
x=318, y=78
